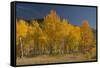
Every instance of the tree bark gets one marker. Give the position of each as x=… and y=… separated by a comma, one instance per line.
x=21, y=45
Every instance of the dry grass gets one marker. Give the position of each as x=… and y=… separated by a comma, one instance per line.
x=44, y=59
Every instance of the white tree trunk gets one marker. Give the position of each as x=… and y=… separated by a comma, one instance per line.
x=21, y=45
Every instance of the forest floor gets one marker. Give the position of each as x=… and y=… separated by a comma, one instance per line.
x=44, y=59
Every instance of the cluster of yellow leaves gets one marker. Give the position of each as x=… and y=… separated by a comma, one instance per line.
x=21, y=28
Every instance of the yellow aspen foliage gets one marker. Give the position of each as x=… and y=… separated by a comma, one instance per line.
x=86, y=36
x=52, y=17
x=36, y=27
x=21, y=28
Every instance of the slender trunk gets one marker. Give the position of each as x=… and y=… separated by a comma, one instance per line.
x=21, y=45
